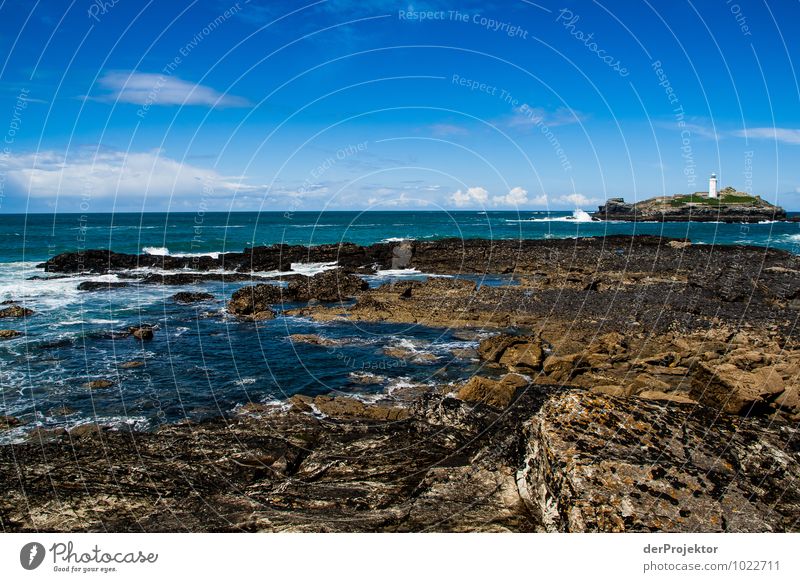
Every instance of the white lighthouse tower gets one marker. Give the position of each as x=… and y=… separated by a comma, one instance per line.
x=712, y=186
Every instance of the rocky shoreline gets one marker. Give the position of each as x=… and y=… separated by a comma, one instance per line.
x=626, y=384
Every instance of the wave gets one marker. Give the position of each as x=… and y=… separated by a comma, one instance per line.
x=578, y=215
x=309, y=269
x=396, y=239
x=164, y=252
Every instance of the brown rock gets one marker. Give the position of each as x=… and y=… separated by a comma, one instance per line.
x=735, y=391
x=517, y=353
x=87, y=430
x=253, y=301
x=9, y=333
x=95, y=384
x=408, y=354
x=499, y=393
x=141, y=332
x=789, y=401
x=16, y=311
x=665, y=397
x=593, y=463
x=611, y=390
x=132, y=364
x=644, y=382
x=344, y=408
x=8, y=422
x=564, y=368
x=312, y=338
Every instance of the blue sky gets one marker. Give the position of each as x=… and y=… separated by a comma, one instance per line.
x=224, y=105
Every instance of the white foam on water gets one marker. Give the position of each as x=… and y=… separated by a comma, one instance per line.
x=156, y=251
x=164, y=252
x=245, y=381
x=396, y=239
x=578, y=215
x=310, y=269
x=366, y=377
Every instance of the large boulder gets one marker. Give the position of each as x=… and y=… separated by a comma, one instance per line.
x=9, y=333
x=735, y=391
x=254, y=301
x=595, y=463
x=331, y=285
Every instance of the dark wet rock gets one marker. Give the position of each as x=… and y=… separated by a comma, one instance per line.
x=196, y=278
x=191, y=297
x=254, y=302
x=9, y=333
x=314, y=339
x=16, y=311
x=142, y=332
x=596, y=463
x=328, y=286
x=101, y=285
x=60, y=411
x=96, y=384
x=264, y=258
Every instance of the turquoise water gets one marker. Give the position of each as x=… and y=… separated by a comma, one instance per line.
x=202, y=363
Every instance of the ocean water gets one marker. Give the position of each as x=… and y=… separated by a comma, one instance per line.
x=202, y=363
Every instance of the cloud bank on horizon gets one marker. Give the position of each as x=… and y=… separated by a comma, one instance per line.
x=383, y=105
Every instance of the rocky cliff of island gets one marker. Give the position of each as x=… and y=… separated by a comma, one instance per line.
x=730, y=206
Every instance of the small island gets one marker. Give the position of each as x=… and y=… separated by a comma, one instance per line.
x=727, y=205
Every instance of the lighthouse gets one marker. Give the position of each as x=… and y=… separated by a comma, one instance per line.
x=712, y=186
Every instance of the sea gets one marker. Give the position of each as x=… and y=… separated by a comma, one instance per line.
x=202, y=363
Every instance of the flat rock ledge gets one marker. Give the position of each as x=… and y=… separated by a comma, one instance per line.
x=554, y=460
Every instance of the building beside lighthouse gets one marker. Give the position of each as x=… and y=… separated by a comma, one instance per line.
x=712, y=186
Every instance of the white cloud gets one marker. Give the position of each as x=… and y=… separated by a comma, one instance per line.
x=476, y=195
x=92, y=173
x=515, y=197
x=577, y=200
x=149, y=89
x=783, y=135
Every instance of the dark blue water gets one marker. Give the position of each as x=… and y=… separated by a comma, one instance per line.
x=36, y=236
x=202, y=363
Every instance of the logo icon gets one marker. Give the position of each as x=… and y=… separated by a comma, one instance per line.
x=31, y=555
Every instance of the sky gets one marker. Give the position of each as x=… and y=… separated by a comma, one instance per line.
x=123, y=105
